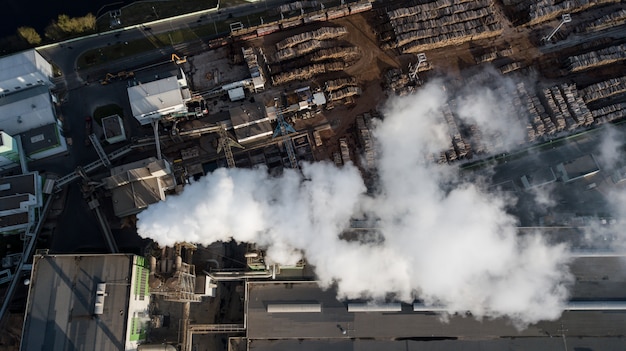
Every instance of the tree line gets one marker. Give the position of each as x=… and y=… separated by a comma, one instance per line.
x=64, y=26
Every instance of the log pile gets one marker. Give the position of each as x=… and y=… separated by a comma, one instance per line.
x=597, y=58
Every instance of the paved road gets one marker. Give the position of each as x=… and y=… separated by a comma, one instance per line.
x=77, y=229
x=617, y=32
x=65, y=54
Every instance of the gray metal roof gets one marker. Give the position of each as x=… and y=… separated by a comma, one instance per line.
x=334, y=318
x=60, y=308
x=510, y=344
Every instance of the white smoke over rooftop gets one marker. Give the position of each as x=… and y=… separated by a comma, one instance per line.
x=487, y=101
x=445, y=240
x=609, y=231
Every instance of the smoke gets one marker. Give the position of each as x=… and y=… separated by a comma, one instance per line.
x=444, y=239
x=609, y=148
x=486, y=101
x=608, y=231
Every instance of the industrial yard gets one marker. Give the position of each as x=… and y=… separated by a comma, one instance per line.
x=215, y=185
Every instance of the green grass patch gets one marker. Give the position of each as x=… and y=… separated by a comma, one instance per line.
x=112, y=52
x=99, y=56
x=105, y=111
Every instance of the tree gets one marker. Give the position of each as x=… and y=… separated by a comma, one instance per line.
x=29, y=34
x=65, y=26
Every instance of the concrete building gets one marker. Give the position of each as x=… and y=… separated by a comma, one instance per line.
x=153, y=100
x=136, y=185
x=9, y=151
x=280, y=313
x=87, y=302
x=538, y=178
x=580, y=167
x=27, y=106
x=23, y=71
x=20, y=197
x=250, y=122
x=113, y=127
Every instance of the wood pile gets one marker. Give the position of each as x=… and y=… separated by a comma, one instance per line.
x=335, y=84
x=545, y=10
x=609, y=113
x=604, y=22
x=604, y=89
x=323, y=33
x=307, y=72
x=441, y=23
x=597, y=58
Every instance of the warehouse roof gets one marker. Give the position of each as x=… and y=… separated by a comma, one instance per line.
x=155, y=99
x=608, y=282
x=577, y=168
x=136, y=185
x=23, y=70
x=25, y=110
x=546, y=343
x=60, y=308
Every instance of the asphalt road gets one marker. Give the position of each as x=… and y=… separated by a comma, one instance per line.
x=77, y=229
x=65, y=54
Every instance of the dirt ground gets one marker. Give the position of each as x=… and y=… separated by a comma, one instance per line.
x=213, y=68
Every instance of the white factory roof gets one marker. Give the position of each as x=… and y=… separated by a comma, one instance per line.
x=23, y=70
x=26, y=110
x=155, y=99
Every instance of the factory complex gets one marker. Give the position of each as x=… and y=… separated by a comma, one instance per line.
x=524, y=102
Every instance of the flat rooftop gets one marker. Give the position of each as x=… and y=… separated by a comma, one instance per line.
x=577, y=168
x=19, y=184
x=247, y=114
x=547, y=343
x=41, y=138
x=134, y=186
x=254, y=131
x=596, y=278
x=112, y=126
x=159, y=95
x=26, y=109
x=539, y=177
x=23, y=70
x=60, y=308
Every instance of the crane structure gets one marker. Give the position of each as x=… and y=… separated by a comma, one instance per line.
x=413, y=69
x=284, y=129
x=566, y=18
x=226, y=143
x=99, y=150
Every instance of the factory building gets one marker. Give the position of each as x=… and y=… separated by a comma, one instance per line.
x=251, y=122
x=87, y=302
x=9, y=151
x=27, y=110
x=581, y=167
x=20, y=197
x=136, y=185
x=538, y=178
x=279, y=313
x=113, y=127
x=24, y=70
x=153, y=100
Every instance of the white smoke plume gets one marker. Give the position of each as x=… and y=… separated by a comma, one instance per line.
x=445, y=240
x=609, y=149
x=608, y=232
x=487, y=102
